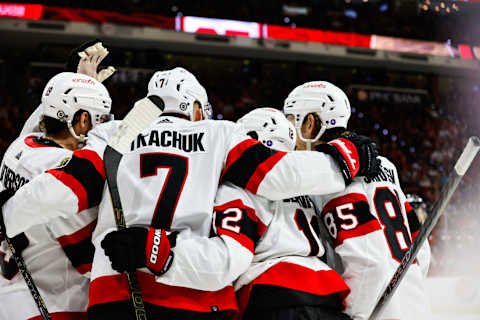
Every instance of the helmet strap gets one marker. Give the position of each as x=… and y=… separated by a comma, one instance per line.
x=81, y=138
x=309, y=145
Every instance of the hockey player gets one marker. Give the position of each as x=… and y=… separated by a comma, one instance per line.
x=167, y=183
x=286, y=279
x=58, y=255
x=368, y=220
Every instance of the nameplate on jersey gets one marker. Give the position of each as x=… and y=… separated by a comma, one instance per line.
x=385, y=175
x=10, y=179
x=187, y=142
x=303, y=201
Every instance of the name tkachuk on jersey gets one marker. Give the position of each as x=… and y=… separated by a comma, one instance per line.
x=59, y=254
x=186, y=142
x=372, y=226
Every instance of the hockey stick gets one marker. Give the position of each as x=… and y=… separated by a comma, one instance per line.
x=42, y=308
x=142, y=114
x=462, y=165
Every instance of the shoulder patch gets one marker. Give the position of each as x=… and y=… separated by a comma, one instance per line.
x=63, y=163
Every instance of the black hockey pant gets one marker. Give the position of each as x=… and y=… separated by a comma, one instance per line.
x=297, y=313
x=123, y=310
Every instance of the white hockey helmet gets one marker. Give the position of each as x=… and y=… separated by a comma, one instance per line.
x=329, y=102
x=270, y=127
x=179, y=89
x=68, y=92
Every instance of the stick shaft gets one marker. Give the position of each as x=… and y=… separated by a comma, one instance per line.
x=462, y=165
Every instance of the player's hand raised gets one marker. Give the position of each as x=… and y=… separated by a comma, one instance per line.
x=86, y=60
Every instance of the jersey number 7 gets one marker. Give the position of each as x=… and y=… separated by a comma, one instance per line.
x=172, y=188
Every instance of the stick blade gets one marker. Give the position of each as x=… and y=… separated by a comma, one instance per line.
x=467, y=156
x=143, y=113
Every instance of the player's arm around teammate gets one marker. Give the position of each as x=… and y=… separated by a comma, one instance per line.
x=367, y=221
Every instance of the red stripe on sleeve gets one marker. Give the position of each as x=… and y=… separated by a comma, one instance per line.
x=77, y=236
x=262, y=171
x=414, y=235
x=408, y=207
x=84, y=268
x=348, y=198
x=239, y=237
x=237, y=151
x=77, y=188
x=261, y=227
x=93, y=157
x=359, y=231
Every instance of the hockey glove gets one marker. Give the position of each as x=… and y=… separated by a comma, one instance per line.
x=355, y=154
x=132, y=248
x=87, y=57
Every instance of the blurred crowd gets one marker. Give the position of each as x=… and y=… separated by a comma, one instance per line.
x=423, y=141
x=395, y=18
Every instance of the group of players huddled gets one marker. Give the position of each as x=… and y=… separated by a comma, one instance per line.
x=224, y=220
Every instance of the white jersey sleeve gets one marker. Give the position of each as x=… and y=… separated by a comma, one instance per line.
x=278, y=175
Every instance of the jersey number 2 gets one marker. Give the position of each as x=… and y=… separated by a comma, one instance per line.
x=172, y=187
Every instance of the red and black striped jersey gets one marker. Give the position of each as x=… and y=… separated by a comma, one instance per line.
x=371, y=226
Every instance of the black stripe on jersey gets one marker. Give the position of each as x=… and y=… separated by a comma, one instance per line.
x=413, y=221
x=248, y=227
x=361, y=210
x=87, y=175
x=268, y=297
x=80, y=253
x=240, y=172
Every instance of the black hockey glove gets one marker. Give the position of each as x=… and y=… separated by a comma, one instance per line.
x=355, y=154
x=132, y=248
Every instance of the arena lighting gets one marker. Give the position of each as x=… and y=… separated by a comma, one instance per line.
x=23, y=11
x=442, y=7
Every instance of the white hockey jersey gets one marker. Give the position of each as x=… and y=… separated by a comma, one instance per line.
x=281, y=238
x=169, y=180
x=370, y=228
x=59, y=254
